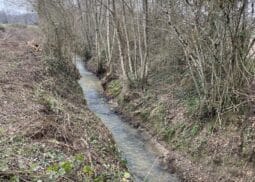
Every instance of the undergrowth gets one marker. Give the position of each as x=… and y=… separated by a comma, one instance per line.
x=58, y=139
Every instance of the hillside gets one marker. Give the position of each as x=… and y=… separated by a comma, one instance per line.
x=46, y=130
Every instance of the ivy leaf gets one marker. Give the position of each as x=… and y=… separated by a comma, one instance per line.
x=3, y=166
x=53, y=168
x=127, y=175
x=88, y=170
x=79, y=157
x=67, y=166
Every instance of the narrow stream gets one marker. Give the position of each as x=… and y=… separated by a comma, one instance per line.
x=142, y=161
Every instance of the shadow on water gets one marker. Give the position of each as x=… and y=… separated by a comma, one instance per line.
x=141, y=160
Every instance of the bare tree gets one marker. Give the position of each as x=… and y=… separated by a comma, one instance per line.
x=215, y=37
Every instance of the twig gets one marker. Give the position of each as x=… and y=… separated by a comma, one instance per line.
x=8, y=173
x=61, y=144
x=89, y=154
x=154, y=162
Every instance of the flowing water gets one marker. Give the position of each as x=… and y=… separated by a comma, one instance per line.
x=142, y=160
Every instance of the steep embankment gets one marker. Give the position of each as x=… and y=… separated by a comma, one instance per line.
x=46, y=129
x=199, y=151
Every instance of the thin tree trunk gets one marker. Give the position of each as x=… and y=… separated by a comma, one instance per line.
x=125, y=80
x=145, y=34
x=127, y=40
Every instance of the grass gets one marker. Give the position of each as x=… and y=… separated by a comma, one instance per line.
x=168, y=134
x=18, y=26
x=2, y=28
x=192, y=105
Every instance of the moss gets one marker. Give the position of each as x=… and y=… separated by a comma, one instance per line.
x=51, y=103
x=114, y=88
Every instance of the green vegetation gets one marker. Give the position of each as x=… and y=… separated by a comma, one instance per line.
x=2, y=28
x=19, y=26
x=114, y=88
x=187, y=77
x=47, y=132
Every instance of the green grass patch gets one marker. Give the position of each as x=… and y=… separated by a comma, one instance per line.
x=2, y=28
x=114, y=88
x=17, y=25
x=192, y=104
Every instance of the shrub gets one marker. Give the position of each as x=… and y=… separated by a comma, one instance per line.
x=16, y=25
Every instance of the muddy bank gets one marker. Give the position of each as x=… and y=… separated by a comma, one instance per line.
x=46, y=130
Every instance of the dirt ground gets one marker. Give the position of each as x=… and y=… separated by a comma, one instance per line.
x=47, y=135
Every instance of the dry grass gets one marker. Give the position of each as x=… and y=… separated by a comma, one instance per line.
x=46, y=134
x=199, y=150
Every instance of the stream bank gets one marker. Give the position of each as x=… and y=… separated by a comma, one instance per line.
x=47, y=132
x=141, y=156
x=197, y=151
